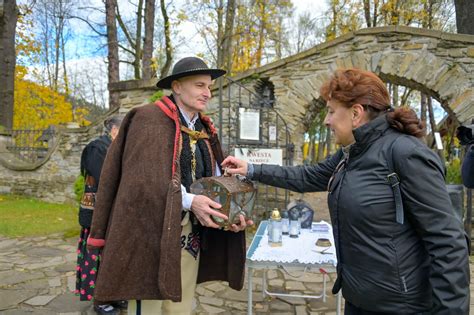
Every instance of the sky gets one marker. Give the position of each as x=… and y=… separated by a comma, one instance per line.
x=79, y=45
x=82, y=49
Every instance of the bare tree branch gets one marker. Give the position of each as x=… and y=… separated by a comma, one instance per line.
x=124, y=28
x=90, y=25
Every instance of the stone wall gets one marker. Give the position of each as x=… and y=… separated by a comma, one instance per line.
x=53, y=180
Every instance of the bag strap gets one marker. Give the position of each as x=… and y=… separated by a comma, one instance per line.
x=394, y=182
x=90, y=181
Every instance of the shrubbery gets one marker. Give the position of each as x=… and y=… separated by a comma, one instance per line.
x=453, y=171
x=79, y=187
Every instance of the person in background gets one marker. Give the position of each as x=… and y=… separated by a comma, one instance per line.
x=465, y=135
x=88, y=261
x=467, y=170
x=401, y=249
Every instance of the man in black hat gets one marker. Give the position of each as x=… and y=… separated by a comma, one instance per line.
x=159, y=240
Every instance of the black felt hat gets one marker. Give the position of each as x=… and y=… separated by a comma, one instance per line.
x=186, y=67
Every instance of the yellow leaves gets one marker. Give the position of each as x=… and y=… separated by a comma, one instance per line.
x=344, y=17
x=182, y=16
x=38, y=107
x=25, y=43
x=256, y=23
x=396, y=12
x=80, y=116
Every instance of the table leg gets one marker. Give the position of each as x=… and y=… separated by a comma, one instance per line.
x=264, y=283
x=324, y=287
x=338, y=302
x=249, y=289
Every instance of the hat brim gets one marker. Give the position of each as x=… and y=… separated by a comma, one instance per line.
x=165, y=83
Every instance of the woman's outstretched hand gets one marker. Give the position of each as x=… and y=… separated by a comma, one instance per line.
x=235, y=166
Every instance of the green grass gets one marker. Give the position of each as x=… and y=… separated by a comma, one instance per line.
x=22, y=216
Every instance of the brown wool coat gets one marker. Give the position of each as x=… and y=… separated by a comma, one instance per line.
x=138, y=213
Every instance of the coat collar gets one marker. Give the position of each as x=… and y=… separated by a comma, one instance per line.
x=368, y=133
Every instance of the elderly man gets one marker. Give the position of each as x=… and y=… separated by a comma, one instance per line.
x=159, y=240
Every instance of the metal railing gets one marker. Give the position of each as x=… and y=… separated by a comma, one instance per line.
x=29, y=145
x=240, y=96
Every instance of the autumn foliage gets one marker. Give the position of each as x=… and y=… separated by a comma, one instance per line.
x=37, y=106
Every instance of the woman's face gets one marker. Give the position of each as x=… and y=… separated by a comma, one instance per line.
x=340, y=120
x=114, y=132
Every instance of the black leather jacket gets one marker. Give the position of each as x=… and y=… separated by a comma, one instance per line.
x=420, y=266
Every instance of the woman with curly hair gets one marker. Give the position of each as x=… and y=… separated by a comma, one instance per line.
x=88, y=261
x=400, y=247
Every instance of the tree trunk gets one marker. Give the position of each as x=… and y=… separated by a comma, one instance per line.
x=261, y=34
x=367, y=12
x=464, y=16
x=321, y=143
x=8, y=19
x=376, y=5
x=220, y=33
x=65, y=78
x=228, y=32
x=433, y=128
x=46, y=37
x=147, y=71
x=57, y=46
x=63, y=52
x=138, y=41
x=431, y=116
x=278, y=39
x=395, y=95
x=113, y=55
x=328, y=141
x=423, y=104
x=168, y=48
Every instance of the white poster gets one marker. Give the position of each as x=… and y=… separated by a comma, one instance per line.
x=439, y=142
x=249, y=124
x=272, y=133
x=260, y=156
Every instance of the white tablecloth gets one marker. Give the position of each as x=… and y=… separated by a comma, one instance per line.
x=298, y=250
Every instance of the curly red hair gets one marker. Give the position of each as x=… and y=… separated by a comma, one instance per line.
x=356, y=86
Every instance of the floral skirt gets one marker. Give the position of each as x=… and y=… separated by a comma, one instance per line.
x=86, y=269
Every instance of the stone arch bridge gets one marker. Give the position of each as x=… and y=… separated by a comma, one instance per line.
x=439, y=64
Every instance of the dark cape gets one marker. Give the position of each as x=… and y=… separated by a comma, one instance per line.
x=92, y=159
x=138, y=213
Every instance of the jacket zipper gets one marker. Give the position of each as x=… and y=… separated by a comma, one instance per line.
x=404, y=283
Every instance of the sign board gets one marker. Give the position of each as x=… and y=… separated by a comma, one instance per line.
x=260, y=156
x=249, y=128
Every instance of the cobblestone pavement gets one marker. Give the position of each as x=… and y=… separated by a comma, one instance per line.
x=37, y=277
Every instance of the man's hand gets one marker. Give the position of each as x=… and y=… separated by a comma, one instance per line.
x=242, y=225
x=202, y=207
x=235, y=166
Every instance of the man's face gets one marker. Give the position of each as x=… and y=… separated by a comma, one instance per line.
x=193, y=92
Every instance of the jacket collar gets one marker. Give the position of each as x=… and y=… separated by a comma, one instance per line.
x=368, y=133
